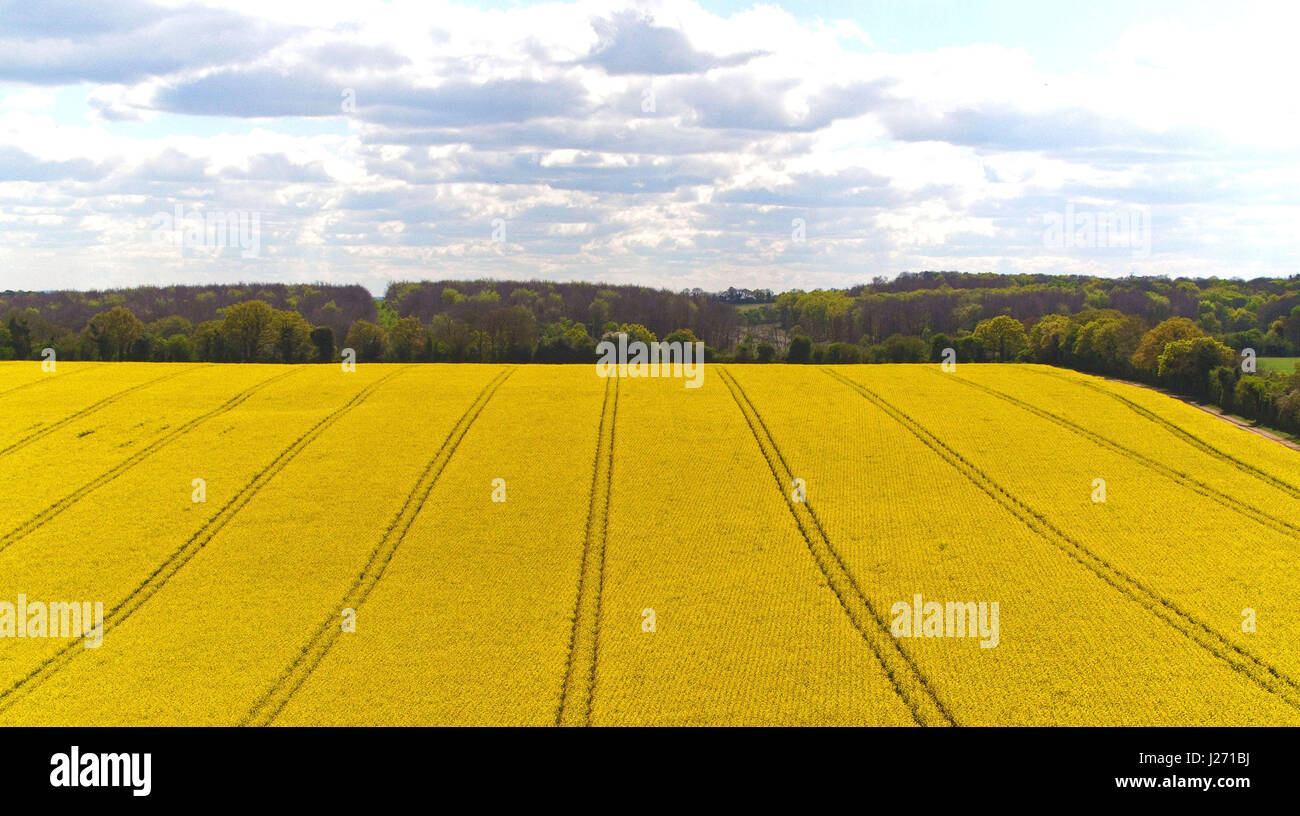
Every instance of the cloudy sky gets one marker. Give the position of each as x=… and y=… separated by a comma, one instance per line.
x=674, y=144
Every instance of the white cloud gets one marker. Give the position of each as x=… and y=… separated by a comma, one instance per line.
x=681, y=162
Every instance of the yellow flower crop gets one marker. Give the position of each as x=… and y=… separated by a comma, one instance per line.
x=537, y=545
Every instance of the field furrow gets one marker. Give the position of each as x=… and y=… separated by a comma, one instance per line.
x=1234, y=504
x=746, y=627
x=263, y=598
x=540, y=545
x=1158, y=538
x=1249, y=453
x=53, y=655
x=21, y=375
x=472, y=622
x=908, y=681
x=269, y=706
x=910, y=519
x=30, y=483
x=584, y=642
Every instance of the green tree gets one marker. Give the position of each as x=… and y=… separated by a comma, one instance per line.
x=1050, y=339
x=170, y=326
x=21, y=326
x=291, y=337
x=114, y=332
x=1107, y=343
x=1147, y=356
x=1288, y=410
x=1207, y=318
x=523, y=296
x=1186, y=364
x=322, y=341
x=246, y=330
x=565, y=341
x=599, y=312
x=408, y=340
x=938, y=343
x=451, y=337
x=1223, y=384
x=369, y=341
x=967, y=316
x=969, y=349
x=1157, y=307
x=178, y=349
x=800, y=349
x=209, y=345
x=1251, y=395
x=1002, y=337
x=1291, y=327
x=513, y=332
x=634, y=332
x=387, y=315
x=682, y=336
x=898, y=348
x=838, y=352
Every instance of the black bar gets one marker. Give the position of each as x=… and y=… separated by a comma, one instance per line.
x=965, y=766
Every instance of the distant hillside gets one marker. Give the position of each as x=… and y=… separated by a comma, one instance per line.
x=592, y=304
x=321, y=304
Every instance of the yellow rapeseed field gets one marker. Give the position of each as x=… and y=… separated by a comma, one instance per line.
x=538, y=545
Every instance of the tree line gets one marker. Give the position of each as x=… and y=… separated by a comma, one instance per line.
x=1190, y=335
x=450, y=321
x=1194, y=336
